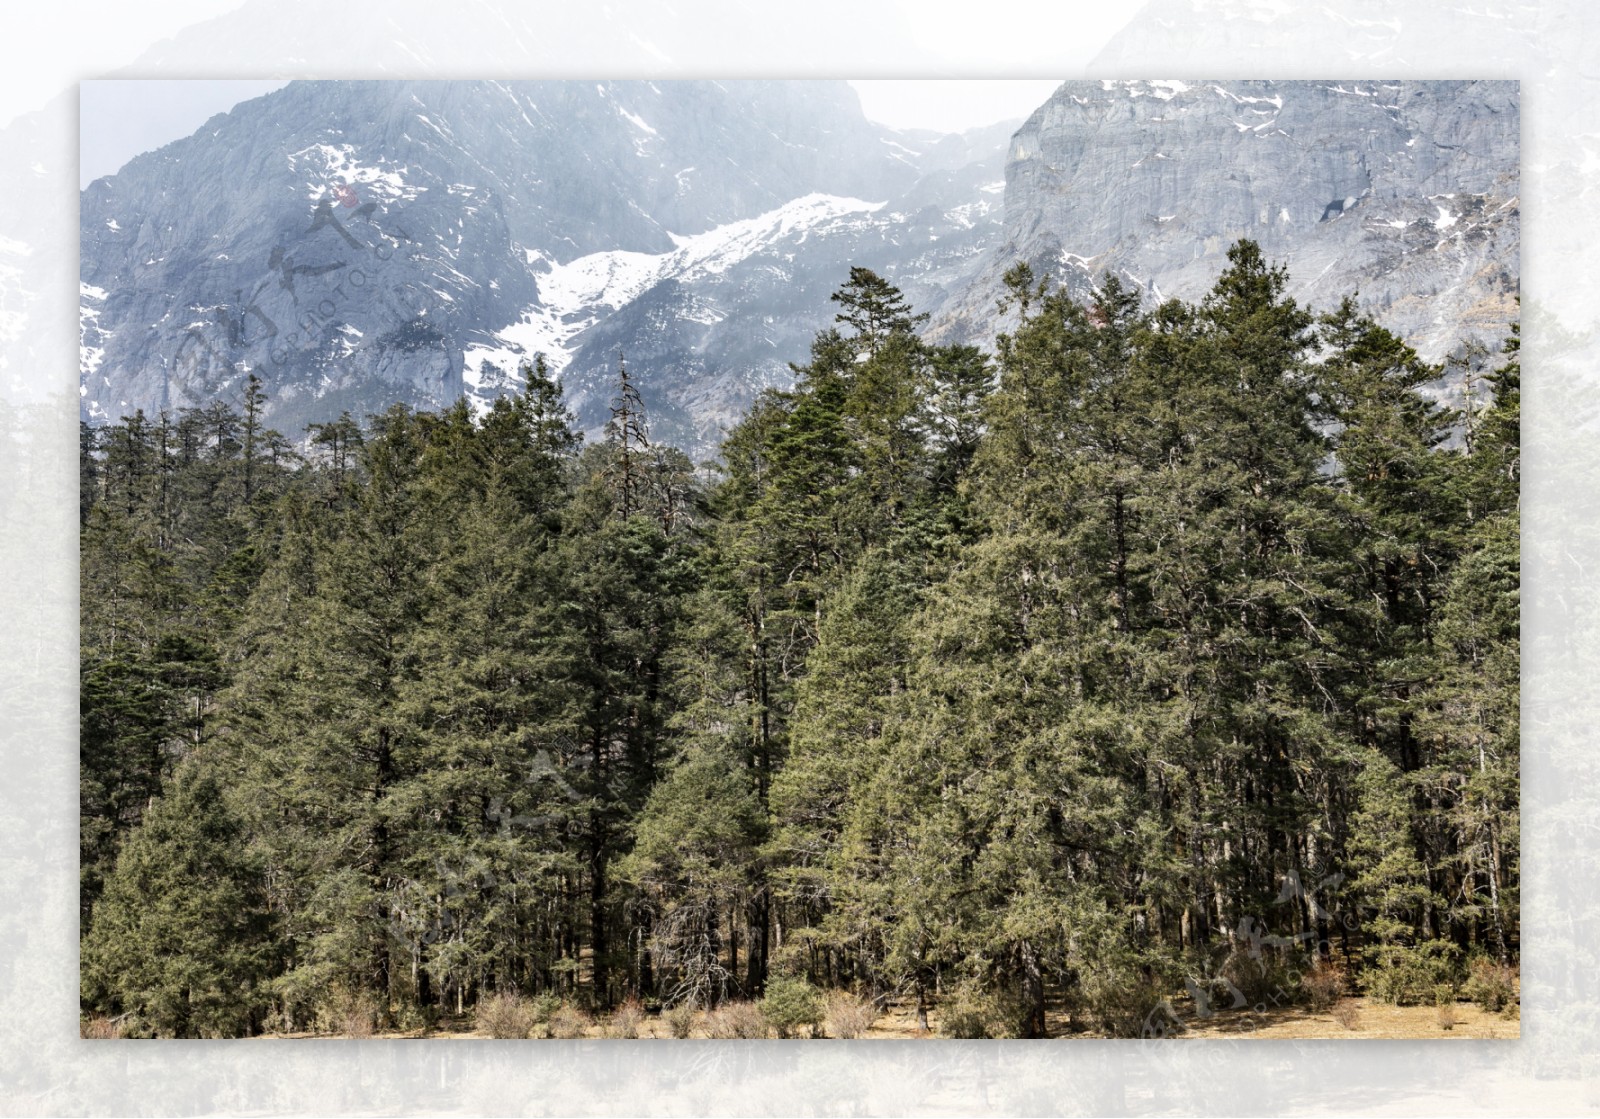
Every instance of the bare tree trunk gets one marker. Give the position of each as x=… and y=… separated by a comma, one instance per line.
x=1033, y=991
x=756, y=955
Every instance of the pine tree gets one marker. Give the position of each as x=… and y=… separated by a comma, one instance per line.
x=1470, y=711
x=483, y=806
x=876, y=311
x=825, y=843
x=182, y=939
x=695, y=862
x=89, y=470
x=489, y=807
x=970, y=684
x=961, y=380
x=316, y=718
x=252, y=435
x=342, y=439
x=628, y=434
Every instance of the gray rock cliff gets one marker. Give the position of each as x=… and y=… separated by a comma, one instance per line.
x=1406, y=192
x=355, y=244
x=360, y=243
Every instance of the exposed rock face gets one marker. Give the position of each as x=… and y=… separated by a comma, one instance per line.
x=361, y=243
x=733, y=308
x=1406, y=191
x=358, y=243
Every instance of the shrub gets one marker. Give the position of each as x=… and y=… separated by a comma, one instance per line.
x=849, y=1017
x=567, y=1022
x=973, y=1010
x=1323, y=986
x=625, y=1020
x=360, y=1017
x=680, y=1019
x=411, y=1018
x=1409, y=975
x=963, y=1016
x=542, y=1007
x=1447, y=1015
x=1491, y=984
x=504, y=1016
x=1123, y=1005
x=1347, y=1014
x=1264, y=979
x=789, y=1003
x=348, y=1013
x=736, y=1020
x=100, y=1028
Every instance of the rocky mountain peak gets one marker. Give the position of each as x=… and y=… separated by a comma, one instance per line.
x=1405, y=191
x=360, y=243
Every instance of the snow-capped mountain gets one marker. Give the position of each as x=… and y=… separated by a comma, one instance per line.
x=360, y=243
x=577, y=295
x=1407, y=192
x=357, y=243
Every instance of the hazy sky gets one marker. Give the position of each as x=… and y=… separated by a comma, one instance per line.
x=951, y=106
x=119, y=118
x=940, y=38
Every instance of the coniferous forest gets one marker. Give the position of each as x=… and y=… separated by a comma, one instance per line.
x=1163, y=660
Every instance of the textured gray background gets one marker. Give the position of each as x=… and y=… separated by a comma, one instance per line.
x=45, y=1069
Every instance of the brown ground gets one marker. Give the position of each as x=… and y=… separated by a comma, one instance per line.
x=1367, y=1020
x=1370, y=1020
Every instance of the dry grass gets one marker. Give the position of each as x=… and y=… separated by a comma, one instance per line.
x=1447, y=1016
x=625, y=1020
x=1349, y=1017
x=505, y=1016
x=742, y=1020
x=1324, y=986
x=1356, y=1018
x=568, y=1022
x=849, y=1017
x=680, y=1020
x=98, y=1027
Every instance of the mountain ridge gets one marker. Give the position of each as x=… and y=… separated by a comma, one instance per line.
x=1407, y=191
x=359, y=243
x=457, y=211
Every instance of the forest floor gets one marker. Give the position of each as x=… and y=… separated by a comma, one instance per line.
x=1365, y=1018
x=1352, y=1018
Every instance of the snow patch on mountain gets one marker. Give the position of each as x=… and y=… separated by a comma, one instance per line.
x=575, y=295
x=1161, y=90
x=335, y=165
x=91, y=340
x=719, y=249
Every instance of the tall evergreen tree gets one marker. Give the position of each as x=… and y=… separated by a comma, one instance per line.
x=181, y=938
x=990, y=686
